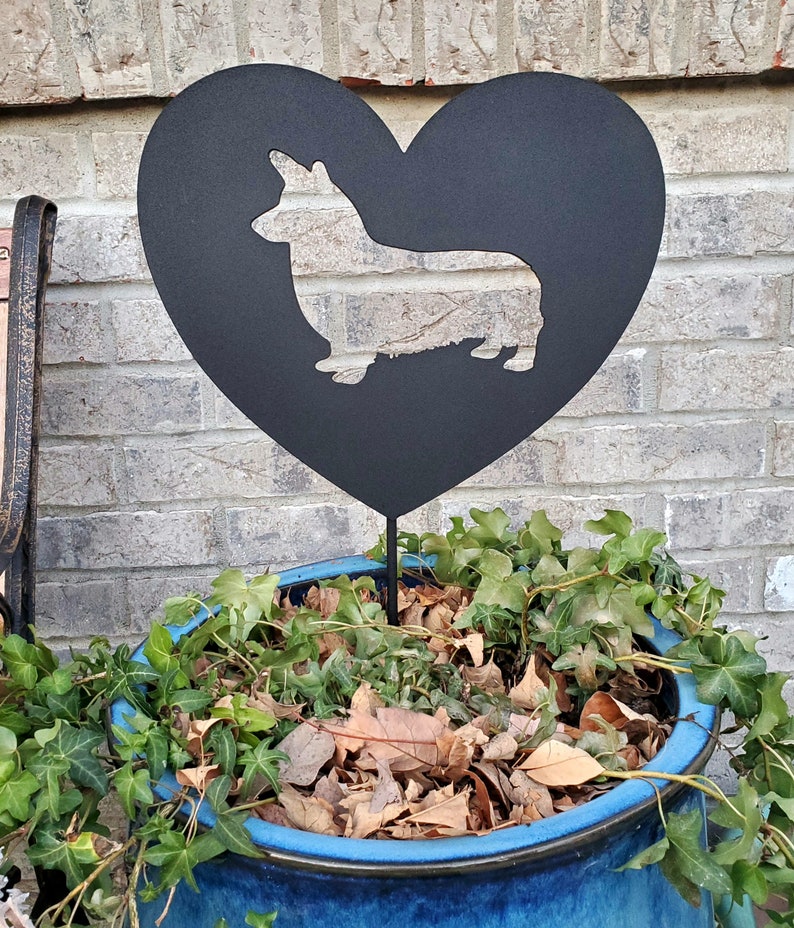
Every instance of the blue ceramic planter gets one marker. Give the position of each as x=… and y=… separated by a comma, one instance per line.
x=556, y=872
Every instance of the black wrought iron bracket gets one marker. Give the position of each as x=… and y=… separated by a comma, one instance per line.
x=25, y=258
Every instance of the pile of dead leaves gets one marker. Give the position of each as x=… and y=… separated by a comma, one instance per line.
x=387, y=771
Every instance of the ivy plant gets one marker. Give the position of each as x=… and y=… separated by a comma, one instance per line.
x=232, y=705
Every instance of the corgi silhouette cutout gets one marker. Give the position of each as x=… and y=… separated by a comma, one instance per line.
x=368, y=299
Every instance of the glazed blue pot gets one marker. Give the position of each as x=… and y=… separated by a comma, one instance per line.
x=560, y=871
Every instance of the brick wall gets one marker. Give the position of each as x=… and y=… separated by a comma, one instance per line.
x=151, y=482
x=108, y=49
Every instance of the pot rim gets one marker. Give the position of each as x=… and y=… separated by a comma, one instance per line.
x=687, y=749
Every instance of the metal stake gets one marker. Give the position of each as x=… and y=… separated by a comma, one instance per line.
x=391, y=571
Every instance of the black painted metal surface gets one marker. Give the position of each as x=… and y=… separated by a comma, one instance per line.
x=554, y=170
x=31, y=250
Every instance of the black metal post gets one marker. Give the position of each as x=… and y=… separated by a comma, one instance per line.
x=391, y=571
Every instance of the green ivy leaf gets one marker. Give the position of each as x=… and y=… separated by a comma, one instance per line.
x=689, y=857
x=156, y=752
x=647, y=857
x=614, y=522
x=261, y=919
x=234, y=836
x=731, y=674
x=492, y=528
x=246, y=717
x=176, y=856
x=132, y=787
x=262, y=760
x=189, y=700
x=742, y=814
x=158, y=649
x=749, y=879
x=76, y=746
x=639, y=546
x=76, y=856
x=231, y=590
x=774, y=709
x=15, y=795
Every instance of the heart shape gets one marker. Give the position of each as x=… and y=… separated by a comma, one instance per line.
x=552, y=169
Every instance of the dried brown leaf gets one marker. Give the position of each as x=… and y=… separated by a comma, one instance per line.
x=475, y=645
x=324, y=600
x=267, y=703
x=526, y=693
x=501, y=747
x=308, y=812
x=487, y=678
x=387, y=790
x=610, y=709
x=528, y=792
x=197, y=729
x=309, y=749
x=443, y=807
x=406, y=740
x=366, y=699
x=198, y=777
x=555, y=764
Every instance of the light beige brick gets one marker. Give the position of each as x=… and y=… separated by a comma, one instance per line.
x=743, y=518
x=716, y=141
x=289, y=535
x=176, y=469
x=375, y=40
x=126, y=540
x=637, y=38
x=109, y=42
x=650, y=453
x=523, y=466
x=726, y=378
x=783, y=465
x=227, y=415
x=117, y=156
x=30, y=67
x=335, y=243
x=198, y=37
x=43, y=164
x=704, y=308
x=286, y=33
x=121, y=405
x=76, y=332
x=550, y=36
x=460, y=41
x=144, y=332
x=65, y=609
x=617, y=386
x=730, y=37
x=77, y=475
x=715, y=224
x=97, y=249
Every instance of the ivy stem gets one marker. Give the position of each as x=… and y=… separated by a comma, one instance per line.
x=781, y=841
x=693, y=780
x=656, y=660
x=135, y=876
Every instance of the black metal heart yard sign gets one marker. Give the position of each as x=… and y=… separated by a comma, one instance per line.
x=365, y=341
